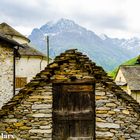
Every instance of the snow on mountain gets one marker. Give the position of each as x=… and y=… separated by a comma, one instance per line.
x=131, y=44
x=103, y=36
x=65, y=34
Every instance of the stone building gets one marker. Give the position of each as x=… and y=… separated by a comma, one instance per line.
x=12, y=33
x=128, y=78
x=8, y=53
x=30, y=62
x=71, y=99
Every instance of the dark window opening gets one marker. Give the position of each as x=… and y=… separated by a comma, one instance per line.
x=20, y=82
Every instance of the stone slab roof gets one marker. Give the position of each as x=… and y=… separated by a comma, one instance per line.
x=30, y=51
x=132, y=76
x=70, y=57
x=9, y=40
x=9, y=31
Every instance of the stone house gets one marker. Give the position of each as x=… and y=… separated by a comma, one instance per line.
x=71, y=99
x=12, y=33
x=128, y=78
x=8, y=54
x=30, y=62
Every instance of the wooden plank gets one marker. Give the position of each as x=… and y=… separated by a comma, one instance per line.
x=73, y=111
x=73, y=116
x=73, y=129
x=77, y=88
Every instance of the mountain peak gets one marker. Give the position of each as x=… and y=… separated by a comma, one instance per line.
x=65, y=21
x=59, y=26
x=59, y=21
x=66, y=34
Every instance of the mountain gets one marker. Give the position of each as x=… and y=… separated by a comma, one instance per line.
x=65, y=34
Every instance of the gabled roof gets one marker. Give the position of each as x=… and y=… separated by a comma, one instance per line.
x=6, y=31
x=132, y=76
x=9, y=40
x=30, y=51
x=70, y=57
x=132, y=62
x=9, y=31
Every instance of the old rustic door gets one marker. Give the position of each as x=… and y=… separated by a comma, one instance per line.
x=74, y=110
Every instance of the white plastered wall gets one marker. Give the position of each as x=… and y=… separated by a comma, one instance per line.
x=120, y=77
x=29, y=66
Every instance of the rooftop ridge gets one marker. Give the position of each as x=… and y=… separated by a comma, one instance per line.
x=10, y=40
x=70, y=57
x=30, y=51
x=8, y=30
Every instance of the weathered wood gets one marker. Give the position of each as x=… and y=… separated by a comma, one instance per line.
x=73, y=115
x=75, y=129
x=73, y=110
x=20, y=82
x=78, y=88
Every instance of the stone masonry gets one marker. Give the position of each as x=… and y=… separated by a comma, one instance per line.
x=6, y=73
x=28, y=116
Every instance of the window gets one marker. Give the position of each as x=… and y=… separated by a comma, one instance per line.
x=20, y=82
x=120, y=79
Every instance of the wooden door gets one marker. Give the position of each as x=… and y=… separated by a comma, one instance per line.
x=73, y=111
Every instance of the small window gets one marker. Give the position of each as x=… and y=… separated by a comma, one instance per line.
x=20, y=82
x=120, y=79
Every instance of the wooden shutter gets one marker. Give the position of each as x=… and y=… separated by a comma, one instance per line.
x=20, y=82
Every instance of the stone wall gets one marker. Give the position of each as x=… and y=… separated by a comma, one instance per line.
x=6, y=73
x=115, y=118
x=33, y=119
x=29, y=114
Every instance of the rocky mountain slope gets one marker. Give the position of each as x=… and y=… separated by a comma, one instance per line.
x=65, y=34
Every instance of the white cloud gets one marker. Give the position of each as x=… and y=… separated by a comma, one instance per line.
x=118, y=18
x=132, y=10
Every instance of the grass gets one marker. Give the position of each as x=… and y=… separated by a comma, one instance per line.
x=131, y=62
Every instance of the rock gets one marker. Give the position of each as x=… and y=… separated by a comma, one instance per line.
x=100, y=93
x=100, y=97
x=9, y=129
x=101, y=112
x=46, y=127
x=40, y=131
x=125, y=112
x=104, y=134
x=100, y=120
x=18, y=124
x=41, y=106
x=41, y=115
x=111, y=105
x=111, y=112
x=10, y=120
x=107, y=125
x=24, y=128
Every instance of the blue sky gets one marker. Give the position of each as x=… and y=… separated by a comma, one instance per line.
x=116, y=18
